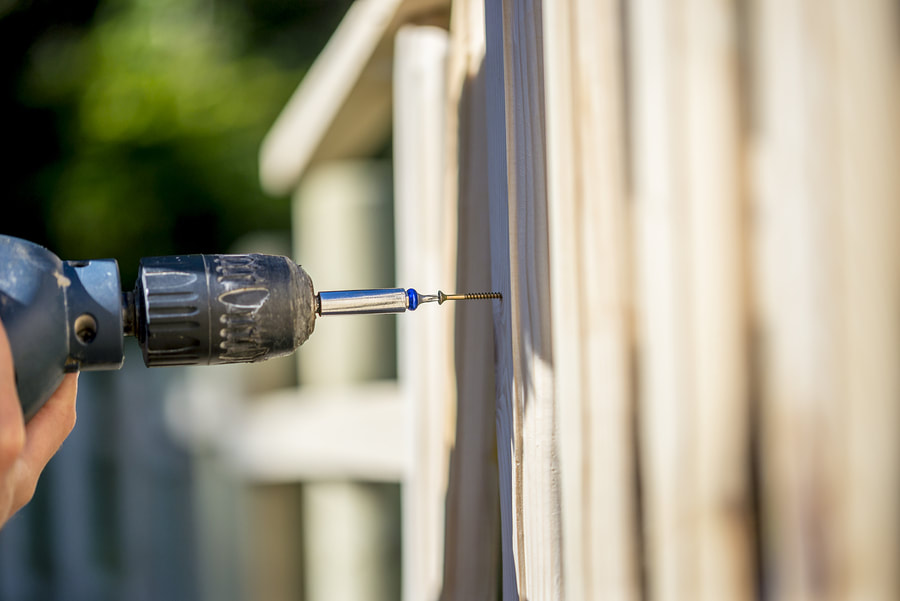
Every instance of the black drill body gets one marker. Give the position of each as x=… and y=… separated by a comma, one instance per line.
x=66, y=316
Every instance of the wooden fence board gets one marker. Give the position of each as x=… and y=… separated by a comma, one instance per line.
x=667, y=412
x=796, y=258
x=471, y=551
x=868, y=130
x=716, y=288
x=590, y=252
x=526, y=420
x=508, y=436
x=425, y=234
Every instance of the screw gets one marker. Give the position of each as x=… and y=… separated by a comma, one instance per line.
x=469, y=296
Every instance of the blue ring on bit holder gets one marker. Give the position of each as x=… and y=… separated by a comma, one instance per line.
x=413, y=297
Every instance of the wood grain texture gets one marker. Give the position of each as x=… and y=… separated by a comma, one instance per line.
x=667, y=411
x=716, y=288
x=471, y=552
x=797, y=285
x=688, y=166
x=590, y=252
x=827, y=260
x=765, y=249
x=868, y=128
x=509, y=439
x=526, y=414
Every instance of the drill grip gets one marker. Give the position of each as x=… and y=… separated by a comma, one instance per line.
x=59, y=316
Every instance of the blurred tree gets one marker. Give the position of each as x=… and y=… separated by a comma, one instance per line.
x=30, y=131
x=141, y=119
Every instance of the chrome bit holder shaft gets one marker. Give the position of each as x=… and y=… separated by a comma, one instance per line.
x=385, y=300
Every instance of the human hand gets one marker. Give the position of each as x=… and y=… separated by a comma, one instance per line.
x=25, y=449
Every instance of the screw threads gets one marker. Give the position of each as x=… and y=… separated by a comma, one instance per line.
x=468, y=296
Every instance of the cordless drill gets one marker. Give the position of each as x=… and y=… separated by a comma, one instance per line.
x=66, y=316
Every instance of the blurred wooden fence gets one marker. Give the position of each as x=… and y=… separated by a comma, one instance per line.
x=692, y=209
x=694, y=213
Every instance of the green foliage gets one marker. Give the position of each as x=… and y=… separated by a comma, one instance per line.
x=162, y=106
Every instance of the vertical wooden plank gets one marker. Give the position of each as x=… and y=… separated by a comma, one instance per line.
x=688, y=172
x=472, y=528
x=716, y=293
x=509, y=436
x=829, y=284
x=590, y=256
x=343, y=520
x=530, y=297
x=667, y=412
x=526, y=416
x=797, y=288
x=868, y=130
x=425, y=235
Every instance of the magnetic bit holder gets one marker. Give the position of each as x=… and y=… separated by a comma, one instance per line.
x=385, y=300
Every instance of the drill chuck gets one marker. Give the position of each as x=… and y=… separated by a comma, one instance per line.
x=213, y=309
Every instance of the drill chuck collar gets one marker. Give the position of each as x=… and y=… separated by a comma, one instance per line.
x=65, y=316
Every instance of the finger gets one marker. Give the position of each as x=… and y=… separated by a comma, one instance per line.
x=12, y=423
x=47, y=430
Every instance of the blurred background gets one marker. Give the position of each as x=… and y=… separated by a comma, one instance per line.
x=131, y=120
x=133, y=128
x=715, y=182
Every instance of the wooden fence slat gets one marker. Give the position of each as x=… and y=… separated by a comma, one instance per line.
x=508, y=464
x=716, y=293
x=667, y=412
x=471, y=551
x=868, y=126
x=425, y=236
x=530, y=298
x=590, y=237
x=796, y=287
x=343, y=521
x=766, y=256
x=526, y=420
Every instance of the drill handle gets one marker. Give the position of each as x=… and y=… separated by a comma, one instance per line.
x=60, y=317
